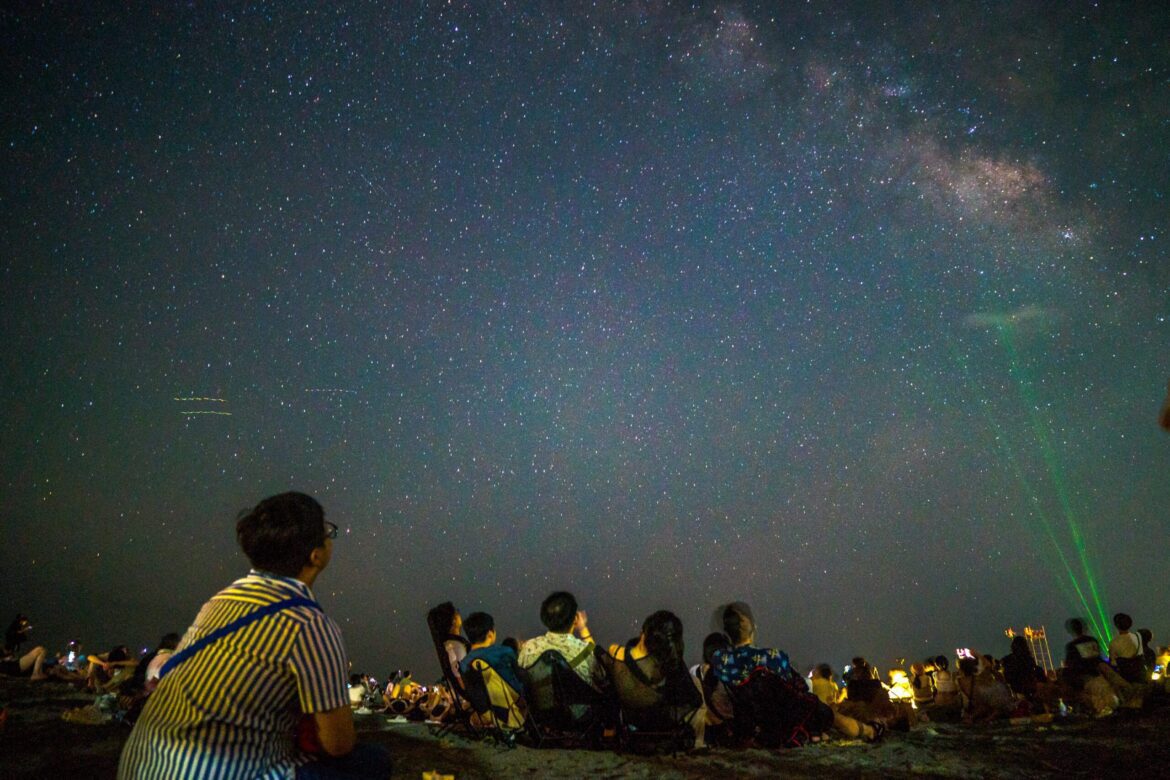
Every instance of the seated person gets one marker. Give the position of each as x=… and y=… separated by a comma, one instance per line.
x=946, y=694
x=446, y=624
x=30, y=664
x=718, y=709
x=560, y=616
x=1020, y=670
x=656, y=656
x=736, y=665
x=862, y=683
x=824, y=687
x=146, y=672
x=1084, y=670
x=922, y=683
x=107, y=671
x=899, y=686
x=985, y=696
x=1126, y=650
x=648, y=673
x=16, y=634
x=481, y=632
x=1148, y=654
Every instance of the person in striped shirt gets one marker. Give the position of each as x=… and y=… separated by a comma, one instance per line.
x=257, y=687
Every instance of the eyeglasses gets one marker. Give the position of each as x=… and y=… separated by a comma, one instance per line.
x=331, y=531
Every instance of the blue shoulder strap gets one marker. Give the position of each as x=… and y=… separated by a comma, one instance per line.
x=232, y=627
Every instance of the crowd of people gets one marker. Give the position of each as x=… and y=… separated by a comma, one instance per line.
x=260, y=685
x=970, y=688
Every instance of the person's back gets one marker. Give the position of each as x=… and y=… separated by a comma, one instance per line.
x=260, y=653
x=1082, y=655
x=481, y=632
x=560, y=615
x=823, y=686
x=946, y=692
x=1126, y=650
x=1020, y=670
x=922, y=683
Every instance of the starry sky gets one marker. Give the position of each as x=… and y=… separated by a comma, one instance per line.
x=855, y=311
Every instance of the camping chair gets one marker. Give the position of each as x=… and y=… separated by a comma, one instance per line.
x=774, y=710
x=655, y=711
x=498, y=707
x=562, y=708
x=460, y=716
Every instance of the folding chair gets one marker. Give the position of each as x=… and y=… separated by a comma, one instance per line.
x=656, y=710
x=563, y=709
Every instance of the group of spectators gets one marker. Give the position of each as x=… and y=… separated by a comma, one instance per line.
x=116, y=670
x=975, y=688
x=259, y=683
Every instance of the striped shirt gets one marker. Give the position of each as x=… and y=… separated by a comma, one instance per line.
x=231, y=709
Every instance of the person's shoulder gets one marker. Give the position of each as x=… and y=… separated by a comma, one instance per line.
x=532, y=648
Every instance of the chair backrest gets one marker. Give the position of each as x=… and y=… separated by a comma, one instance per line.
x=657, y=705
x=557, y=696
x=496, y=702
x=458, y=692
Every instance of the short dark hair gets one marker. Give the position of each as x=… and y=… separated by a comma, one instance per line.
x=941, y=662
x=169, y=641
x=824, y=671
x=738, y=622
x=477, y=625
x=558, y=612
x=1123, y=621
x=280, y=533
x=714, y=642
x=1075, y=626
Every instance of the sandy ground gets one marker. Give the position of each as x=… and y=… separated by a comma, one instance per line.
x=36, y=743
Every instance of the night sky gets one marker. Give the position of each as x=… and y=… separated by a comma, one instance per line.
x=856, y=312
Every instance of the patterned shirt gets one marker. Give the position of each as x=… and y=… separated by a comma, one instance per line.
x=230, y=710
x=577, y=652
x=737, y=664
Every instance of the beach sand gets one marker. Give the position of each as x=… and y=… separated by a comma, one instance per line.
x=36, y=743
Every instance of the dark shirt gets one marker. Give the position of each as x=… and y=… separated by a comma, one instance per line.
x=1082, y=657
x=501, y=659
x=1021, y=673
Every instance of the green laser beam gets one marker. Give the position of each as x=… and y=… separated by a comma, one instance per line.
x=1046, y=523
x=1056, y=474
